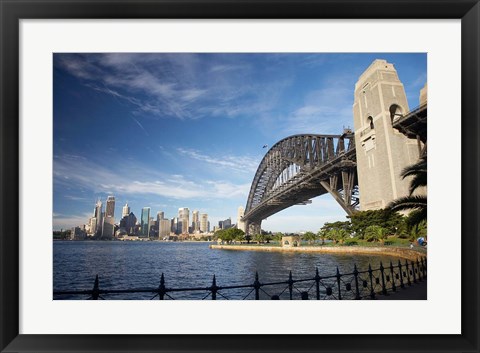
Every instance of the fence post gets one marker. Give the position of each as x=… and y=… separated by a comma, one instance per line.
x=372, y=292
x=402, y=285
x=95, y=290
x=419, y=270
x=413, y=272
x=338, y=284
x=161, y=288
x=214, y=288
x=425, y=260
x=290, y=285
x=424, y=266
x=317, y=283
x=357, y=291
x=408, y=273
x=256, y=285
x=394, y=287
x=382, y=272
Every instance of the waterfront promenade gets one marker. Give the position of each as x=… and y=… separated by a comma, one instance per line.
x=404, y=253
x=417, y=291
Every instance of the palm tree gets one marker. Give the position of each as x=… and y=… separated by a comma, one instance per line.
x=375, y=233
x=417, y=203
x=310, y=237
x=338, y=235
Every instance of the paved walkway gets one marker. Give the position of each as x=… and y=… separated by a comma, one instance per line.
x=417, y=291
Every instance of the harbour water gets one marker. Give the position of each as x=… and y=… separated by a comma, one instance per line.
x=128, y=265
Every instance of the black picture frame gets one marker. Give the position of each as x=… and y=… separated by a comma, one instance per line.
x=12, y=11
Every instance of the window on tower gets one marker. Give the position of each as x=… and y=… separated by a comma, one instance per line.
x=370, y=122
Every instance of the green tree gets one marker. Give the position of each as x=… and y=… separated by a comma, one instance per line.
x=278, y=236
x=415, y=203
x=337, y=225
x=310, y=237
x=228, y=235
x=236, y=234
x=418, y=230
x=322, y=235
x=375, y=233
x=338, y=235
x=259, y=238
x=385, y=218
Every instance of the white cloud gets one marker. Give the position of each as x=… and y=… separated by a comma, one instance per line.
x=244, y=164
x=325, y=111
x=97, y=178
x=175, y=85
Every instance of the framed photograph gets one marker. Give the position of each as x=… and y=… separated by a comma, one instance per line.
x=170, y=170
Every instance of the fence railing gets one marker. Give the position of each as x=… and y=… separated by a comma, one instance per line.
x=359, y=284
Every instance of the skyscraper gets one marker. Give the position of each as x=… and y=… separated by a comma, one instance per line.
x=98, y=215
x=128, y=223
x=195, y=221
x=109, y=219
x=204, y=223
x=175, y=225
x=125, y=210
x=183, y=216
x=160, y=215
x=110, y=207
x=144, y=222
x=164, y=228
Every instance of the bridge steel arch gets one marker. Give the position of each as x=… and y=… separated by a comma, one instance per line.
x=298, y=168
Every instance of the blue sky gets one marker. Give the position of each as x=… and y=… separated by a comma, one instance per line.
x=186, y=130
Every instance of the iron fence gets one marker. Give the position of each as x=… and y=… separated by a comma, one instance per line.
x=358, y=284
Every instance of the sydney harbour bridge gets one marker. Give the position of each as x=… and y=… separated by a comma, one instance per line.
x=301, y=167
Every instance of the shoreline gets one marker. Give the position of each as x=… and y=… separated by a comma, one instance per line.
x=409, y=254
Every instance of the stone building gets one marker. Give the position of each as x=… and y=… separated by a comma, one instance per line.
x=290, y=241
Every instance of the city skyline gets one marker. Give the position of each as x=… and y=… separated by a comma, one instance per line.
x=169, y=130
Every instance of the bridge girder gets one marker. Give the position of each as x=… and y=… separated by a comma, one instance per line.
x=300, y=167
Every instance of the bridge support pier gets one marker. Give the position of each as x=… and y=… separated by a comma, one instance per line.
x=253, y=228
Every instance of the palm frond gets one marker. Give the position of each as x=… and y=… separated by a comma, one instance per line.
x=408, y=203
x=418, y=180
x=417, y=168
x=417, y=217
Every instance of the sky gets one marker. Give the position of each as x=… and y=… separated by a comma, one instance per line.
x=172, y=130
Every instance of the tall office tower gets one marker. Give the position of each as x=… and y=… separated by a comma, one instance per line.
x=204, y=223
x=110, y=207
x=160, y=216
x=128, y=223
x=93, y=225
x=125, y=210
x=382, y=152
x=153, y=227
x=240, y=223
x=144, y=222
x=195, y=221
x=108, y=228
x=227, y=223
x=98, y=215
x=173, y=225
x=184, y=216
x=164, y=228
x=109, y=218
